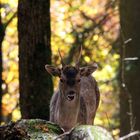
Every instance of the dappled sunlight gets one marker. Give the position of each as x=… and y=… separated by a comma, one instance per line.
x=90, y=23
x=80, y=22
x=10, y=61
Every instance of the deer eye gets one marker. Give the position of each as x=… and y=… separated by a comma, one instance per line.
x=61, y=80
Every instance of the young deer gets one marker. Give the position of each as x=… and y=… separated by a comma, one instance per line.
x=77, y=98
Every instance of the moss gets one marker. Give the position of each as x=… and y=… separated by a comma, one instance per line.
x=38, y=125
x=90, y=132
x=37, y=129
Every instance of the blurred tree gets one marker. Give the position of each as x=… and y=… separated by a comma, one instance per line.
x=3, y=26
x=130, y=92
x=34, y=52
x=1, y=39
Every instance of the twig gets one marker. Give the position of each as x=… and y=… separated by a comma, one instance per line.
x=65, y=133
x=131, y=59
x=130, y=135
x=108, y=120
x=9, y=21
x=124, y=86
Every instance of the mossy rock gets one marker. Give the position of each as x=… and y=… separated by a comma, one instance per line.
x=88, y=132
x=33, y=129
x=37, y=129
x=40, y=129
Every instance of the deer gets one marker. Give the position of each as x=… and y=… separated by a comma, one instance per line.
x=77, y=98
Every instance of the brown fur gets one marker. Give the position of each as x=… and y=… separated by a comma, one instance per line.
x=81, y=111
x=77, y=98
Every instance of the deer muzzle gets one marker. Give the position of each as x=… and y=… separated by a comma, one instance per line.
x=71, y=95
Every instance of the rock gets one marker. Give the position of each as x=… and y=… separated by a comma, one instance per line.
x=37, y=129
x=88, y=132
x=33, y=129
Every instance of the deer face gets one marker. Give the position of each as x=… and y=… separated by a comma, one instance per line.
x=70, y=78
x=70, y=82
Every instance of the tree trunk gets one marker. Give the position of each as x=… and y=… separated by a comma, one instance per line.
x=130, y=23
x=34, y=52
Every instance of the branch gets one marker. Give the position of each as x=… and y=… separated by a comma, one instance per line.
x=130, y=135
x=86, y=30
x=71, y=53
x=66, y=133
x=9, y=21
x=98, y=21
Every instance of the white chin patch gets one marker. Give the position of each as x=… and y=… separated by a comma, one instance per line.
x=70, y=97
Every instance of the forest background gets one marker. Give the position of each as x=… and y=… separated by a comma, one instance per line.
x=94, y=24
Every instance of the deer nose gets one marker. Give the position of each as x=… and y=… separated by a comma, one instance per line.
x=71, y=95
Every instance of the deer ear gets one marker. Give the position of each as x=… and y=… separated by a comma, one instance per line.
x=88, y=70
x=53, y=70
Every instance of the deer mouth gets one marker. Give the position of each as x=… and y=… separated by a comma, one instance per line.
x=70, y=97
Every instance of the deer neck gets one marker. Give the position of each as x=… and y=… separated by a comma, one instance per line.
x=68, y=111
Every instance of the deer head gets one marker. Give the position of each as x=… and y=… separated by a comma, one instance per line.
x=70, y=77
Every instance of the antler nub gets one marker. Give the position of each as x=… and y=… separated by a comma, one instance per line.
x=62, y=62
